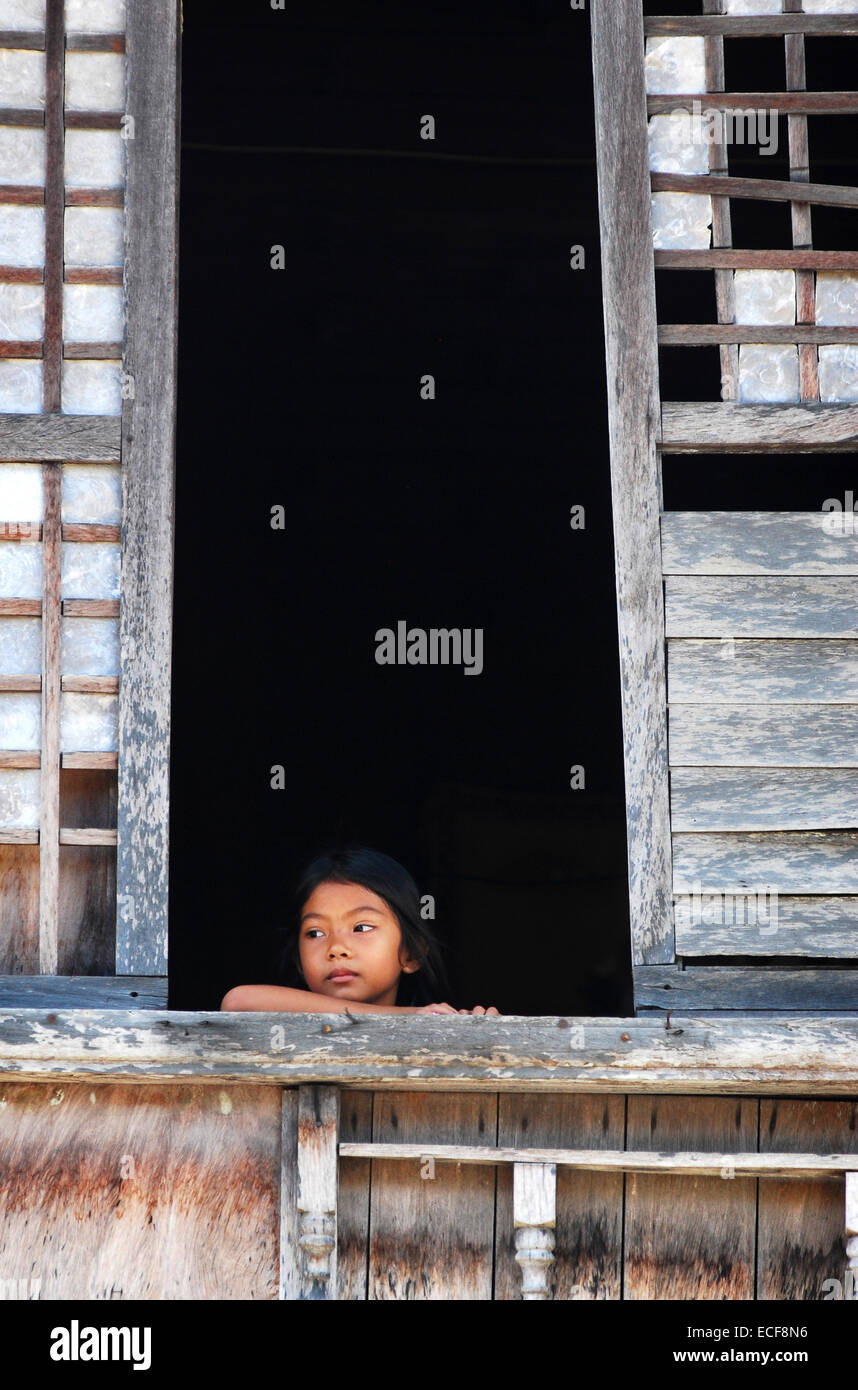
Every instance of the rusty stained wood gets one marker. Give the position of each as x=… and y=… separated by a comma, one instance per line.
x=796, y=926
x=19, y=909
x=628, y=294
x=757, y=1054
x=764, y=671
x=801, y=1231
x=148, y=442
x=690, y=1238
x=432, y=1226
x=156, y=1192
x=353, y=1197
x=760, y=606
x=588, y=1241
x=742, y=798
x=87, y=872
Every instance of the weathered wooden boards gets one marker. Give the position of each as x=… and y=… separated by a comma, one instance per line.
x=82, y=992
x=130, y=1192
x=60, y=438
x=690, y=1237
x=755, y=1054
x=716, y=427
x=628, y=291
x=589, y=1212
x=801, y=1225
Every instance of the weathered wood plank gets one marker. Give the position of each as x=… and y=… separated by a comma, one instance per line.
x=19, y=909
x=751, y=26
x=628, y=291
x=806, y=103
x=290, y=1271
x=49, y=780
x=744, y=988
x=690, y=1238
x=739, y=258
x=148, y=427
x=87, y=872
x=763, y=671
x=60, y=438
x=82, y=992
x=851, y=1214
x=803, y=1054
x=763, y=735
x=316, y=1196
x=153, y=1192
x=760, y=606
x=722, y=925
x=588, y=1252
x=799, y=861
x=756, y=543
x=709, y=334
x=800, y=1242
x=431, y=1228
x=722, y=226
x=767, y=190
x=687, y=1163
x=353, y=1197
x=743, y=798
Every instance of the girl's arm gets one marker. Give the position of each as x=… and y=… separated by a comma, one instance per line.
x=277, y=998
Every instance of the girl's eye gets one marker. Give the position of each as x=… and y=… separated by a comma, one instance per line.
x=364, y=926
x=314, y=931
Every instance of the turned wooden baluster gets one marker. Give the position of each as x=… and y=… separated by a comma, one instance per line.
x=318, y=1122
x=851, y=1281
x=534, y=1212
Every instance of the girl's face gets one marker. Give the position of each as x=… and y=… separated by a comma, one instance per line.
x=350, y=945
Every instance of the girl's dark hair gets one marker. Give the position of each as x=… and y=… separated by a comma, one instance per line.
x=389, y=880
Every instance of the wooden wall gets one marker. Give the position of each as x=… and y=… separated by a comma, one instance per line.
x=166, y=1191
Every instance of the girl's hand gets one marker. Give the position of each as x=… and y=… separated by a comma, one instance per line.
x=478, y=1009
x=437, y=1009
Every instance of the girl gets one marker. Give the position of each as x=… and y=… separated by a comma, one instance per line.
x=357, y=944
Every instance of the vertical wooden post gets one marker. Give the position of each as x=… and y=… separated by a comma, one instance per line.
x=722, y=230
x=534, y=1208
x=851, y=1282
x=318, y=1126
x=49, y=783
x=634, y=429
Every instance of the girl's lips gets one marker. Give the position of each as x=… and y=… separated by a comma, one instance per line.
x=341, y=976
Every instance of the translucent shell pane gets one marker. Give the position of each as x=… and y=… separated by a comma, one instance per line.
x=22, y=78
x=836, y=297
x=768, y=373
x=22, y=14
x=20, y=569
x=20, y=646
x=675, y=65
x=92, y=492
x=19, y=799
x=753, y=7
x=89, y=723
x=831, y=6
x=90, y=570
x=93, y=236
x=90, y=646
x=22, y=312
x=20, y=492
x=765, y=296
x=20, y=722
x=838, y=373
x=92, y=388
x=95, y=16
x=20, y=386
x=94, y=159
x=681, y=220
x=22, y=235
x=22, y=155
x=93, y=313
x=672, y=148
x=95, y=82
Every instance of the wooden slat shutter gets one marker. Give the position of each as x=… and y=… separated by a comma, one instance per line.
x=87, y=387
x=737, y=628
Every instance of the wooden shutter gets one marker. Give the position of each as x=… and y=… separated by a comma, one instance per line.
x=737, y=628
x=88, y=202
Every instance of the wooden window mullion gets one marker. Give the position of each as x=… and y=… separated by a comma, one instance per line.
x=722, y=231
x=54, y=203
x=49, y=813
x=802, y=236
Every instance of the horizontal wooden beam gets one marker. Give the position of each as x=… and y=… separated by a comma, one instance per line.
x=757, y=543
x=82, y=992
x=755, y=1054
x=91, y=685
x=823, y=927
x=60, y=438
x=768, y=798
x=751, y=26
x=727, y=734
x=20, y=685
x=783, y=861
x=760, y=606
x=87, y=836
x=797, y=103
x=745, y=988
x=19, y=837
x=731, y=259
x=690, y=1164
x=90, y=761
x=107, y=761
x=725, y=427
x=11, y=759
x=768, y=190
x=707, y=334
x=90, y=607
